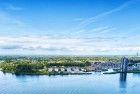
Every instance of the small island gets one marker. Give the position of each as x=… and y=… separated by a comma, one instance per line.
x=64, y=65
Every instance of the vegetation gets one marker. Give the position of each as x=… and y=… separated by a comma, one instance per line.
x=40, y=64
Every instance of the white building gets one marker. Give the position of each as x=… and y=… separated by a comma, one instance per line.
x=136, y=66
x=50, y=69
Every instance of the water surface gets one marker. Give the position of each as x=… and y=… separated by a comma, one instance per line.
x=96, y=83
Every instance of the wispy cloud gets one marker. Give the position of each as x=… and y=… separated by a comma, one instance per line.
x=11, y=7
x=102, y=15
x=103, y=32
x=11, y=25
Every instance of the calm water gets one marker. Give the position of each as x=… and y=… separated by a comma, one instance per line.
x=96, y=83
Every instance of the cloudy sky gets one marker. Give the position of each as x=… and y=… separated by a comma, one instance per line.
x=69, y=27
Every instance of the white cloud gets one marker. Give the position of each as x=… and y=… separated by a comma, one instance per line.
x=45, y=43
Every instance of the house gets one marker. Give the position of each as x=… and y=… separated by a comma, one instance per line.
x=50, y=69
x=136, y=66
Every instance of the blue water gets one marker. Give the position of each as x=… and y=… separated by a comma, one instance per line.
x=95, y=83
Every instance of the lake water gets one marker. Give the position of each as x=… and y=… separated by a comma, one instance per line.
x=96, y=83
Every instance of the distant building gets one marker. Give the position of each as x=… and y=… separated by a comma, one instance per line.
x=137, y=54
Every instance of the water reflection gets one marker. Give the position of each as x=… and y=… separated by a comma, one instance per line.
x=123, y=77
x=123, y=83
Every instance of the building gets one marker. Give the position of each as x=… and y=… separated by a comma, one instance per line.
x=136, y=66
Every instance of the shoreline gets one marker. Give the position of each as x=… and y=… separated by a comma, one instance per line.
x=121, y=72
x=53, y=74
x=39, y=73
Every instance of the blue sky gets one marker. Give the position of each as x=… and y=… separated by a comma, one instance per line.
x=69, y=27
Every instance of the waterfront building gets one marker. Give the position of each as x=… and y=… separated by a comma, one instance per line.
x=136, y=66
x=50, y=69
